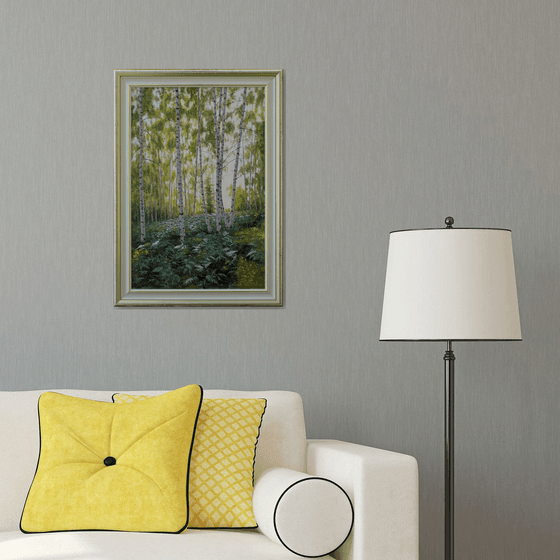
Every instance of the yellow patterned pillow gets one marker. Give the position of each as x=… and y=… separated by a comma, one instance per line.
x=117, y=468
x=222, y=463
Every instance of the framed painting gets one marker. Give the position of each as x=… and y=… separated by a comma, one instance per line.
x=198, y=188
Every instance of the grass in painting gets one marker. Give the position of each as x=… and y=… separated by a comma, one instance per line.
x=229, y=259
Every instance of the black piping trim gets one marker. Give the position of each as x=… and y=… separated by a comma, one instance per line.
x=450, y=340
x=253, y=473
x=291, y=486
x=190, y=455
x=112, y=530
x=451, y=228
x=257, y=441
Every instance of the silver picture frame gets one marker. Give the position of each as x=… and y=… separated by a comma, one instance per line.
x=270, y=293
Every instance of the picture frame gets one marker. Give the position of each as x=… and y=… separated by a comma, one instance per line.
x=198, y=188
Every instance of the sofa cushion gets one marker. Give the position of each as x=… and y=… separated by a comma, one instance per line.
x=107, y=467
x=222, y=463
x=101, y=545
x=282, y=441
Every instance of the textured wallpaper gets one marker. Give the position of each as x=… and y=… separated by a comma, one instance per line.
x=397, y=114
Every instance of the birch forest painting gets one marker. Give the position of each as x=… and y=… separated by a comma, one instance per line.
x=197, y=171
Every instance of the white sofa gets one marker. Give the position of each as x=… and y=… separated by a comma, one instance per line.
x=382, y=485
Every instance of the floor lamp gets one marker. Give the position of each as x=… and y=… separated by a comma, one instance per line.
x=450, y=284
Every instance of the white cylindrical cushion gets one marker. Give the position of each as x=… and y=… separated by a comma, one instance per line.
x=309, y=515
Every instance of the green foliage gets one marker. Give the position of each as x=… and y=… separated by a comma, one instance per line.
x=240, y=199
x=233, y=258
x=250, y=275
x=210, y=197
x=250, y=270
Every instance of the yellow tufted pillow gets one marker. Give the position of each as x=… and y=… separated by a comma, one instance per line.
x=107, y=467
x=222, y=464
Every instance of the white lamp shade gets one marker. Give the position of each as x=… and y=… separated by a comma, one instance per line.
x=450, y=284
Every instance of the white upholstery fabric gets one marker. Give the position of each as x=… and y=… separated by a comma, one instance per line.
x=310, y=516
x=100, y=545
x=383, y=487
x=281, y=441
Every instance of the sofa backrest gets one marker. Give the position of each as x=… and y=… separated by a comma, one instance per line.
x=282, y=441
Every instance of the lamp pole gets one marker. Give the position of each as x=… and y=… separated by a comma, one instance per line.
x=449, y=359
x=426, y=285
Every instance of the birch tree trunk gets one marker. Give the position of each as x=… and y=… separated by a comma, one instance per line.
x=258, y=204
x=232, y=210
x=154, y=197
x=217, y=138
x=179, y=171
x=247, y=198
x=185, y=169
x=141, y=166
x=199, y=154
x=170, y=185
x=195, y=179
x=252, y=176
x=223, y=130
x=160, y=184
x=186, y=184
x=204, y=197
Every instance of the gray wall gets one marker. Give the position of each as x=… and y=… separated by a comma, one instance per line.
x=397, y=114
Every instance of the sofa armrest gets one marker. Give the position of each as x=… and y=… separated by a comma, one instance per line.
x=383, y=486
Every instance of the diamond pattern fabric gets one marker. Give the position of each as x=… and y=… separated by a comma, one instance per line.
x=222, y=462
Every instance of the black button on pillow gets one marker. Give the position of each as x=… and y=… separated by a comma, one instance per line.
x=109, y=461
